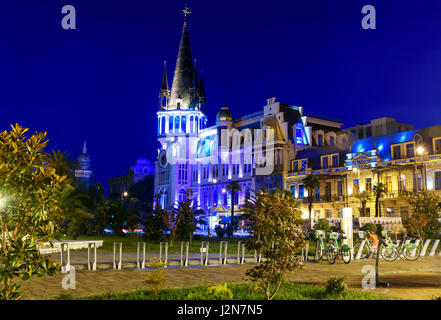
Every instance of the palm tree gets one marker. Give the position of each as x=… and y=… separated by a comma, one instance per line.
x=364, y=197
x=62, y=163
x=233, y=187
x=312, y=184
x=379, y=189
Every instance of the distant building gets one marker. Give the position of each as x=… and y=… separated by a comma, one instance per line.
x=136, y=173
x=83, y=173
x=376, y=128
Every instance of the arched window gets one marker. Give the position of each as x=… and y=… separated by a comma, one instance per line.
x=247, y=194
x=184, y=124
x=181, y=196
x=170, y=124
x=196, y=125
x=159, y=125
x=191, y=124
x=177, y=120
x=206, y=203
x=163, y=125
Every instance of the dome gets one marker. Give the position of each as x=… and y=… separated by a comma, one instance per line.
x=224, y=114
x=84, y=161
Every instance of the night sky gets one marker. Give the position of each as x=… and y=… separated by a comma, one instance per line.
x=101, y=81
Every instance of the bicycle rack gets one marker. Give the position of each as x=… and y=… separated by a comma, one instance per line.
x=64, y=267
x=417, y=242
x=223, y=256
x=425, y=246
x=117, y=262
x=184, y=257
x=360, y=250
x=432, y=251
x=306, y=251
x=257, y=257
x=240, y=252
x=316, y=251
x=163, y=247
x=204, y=253
x=91, y=265
x=140, y=262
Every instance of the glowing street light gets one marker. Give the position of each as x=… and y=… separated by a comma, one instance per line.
x=420, y=150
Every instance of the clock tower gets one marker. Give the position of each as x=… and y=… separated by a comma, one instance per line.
x=181, y=117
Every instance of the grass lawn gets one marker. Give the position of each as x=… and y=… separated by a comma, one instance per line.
x=130, y=244
x=288, y=291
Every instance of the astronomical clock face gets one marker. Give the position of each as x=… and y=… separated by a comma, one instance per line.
x=162, y=159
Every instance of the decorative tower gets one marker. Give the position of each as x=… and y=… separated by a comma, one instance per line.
x=181, y=117
x=83, y=173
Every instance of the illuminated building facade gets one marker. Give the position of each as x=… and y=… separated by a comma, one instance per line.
x=405, y=162
x=302, y=144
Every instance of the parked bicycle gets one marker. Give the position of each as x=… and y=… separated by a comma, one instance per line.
x=367, y=247
x=391, y=251
x=333, y=249
x=320, y=250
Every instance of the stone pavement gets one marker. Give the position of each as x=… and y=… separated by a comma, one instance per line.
x=420, y=279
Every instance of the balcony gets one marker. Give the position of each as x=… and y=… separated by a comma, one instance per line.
x=322, y=199
x=394, y=194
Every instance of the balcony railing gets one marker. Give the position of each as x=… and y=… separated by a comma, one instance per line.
x=327, y=198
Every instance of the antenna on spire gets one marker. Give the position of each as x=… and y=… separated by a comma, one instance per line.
x=186, y=13
x=84, y=146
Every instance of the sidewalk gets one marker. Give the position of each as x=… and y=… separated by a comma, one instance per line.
x=420, y=279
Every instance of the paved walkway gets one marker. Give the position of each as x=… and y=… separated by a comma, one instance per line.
x=420, y=279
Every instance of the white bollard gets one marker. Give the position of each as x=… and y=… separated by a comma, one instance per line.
x=433, y=250
x=425, y=246
x=360, y=250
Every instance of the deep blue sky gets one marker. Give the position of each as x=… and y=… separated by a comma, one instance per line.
x=101, y=81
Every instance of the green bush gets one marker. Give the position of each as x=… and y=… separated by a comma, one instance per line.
x=156, y=277
x=219, y=292
x=335, y=229
x=322, y=224
x=230, y=230
x=336, y=286
x=220, y=232
x=376, y=228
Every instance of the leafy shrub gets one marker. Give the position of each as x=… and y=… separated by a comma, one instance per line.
x=219, y=292
x=436, y=297
x=322, y=224
x=156, y=277
x=335, y=229
x=336, y=286
x=230, y=230
x=198, y=237
x=220, y=232
x=376, y=228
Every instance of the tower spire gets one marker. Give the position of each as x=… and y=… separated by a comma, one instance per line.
x=84, y=146
x=183, y=76
x=164, y=84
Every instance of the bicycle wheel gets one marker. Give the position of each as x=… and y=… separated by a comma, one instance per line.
x=346, y=255
x=411, y=252
x=331, y=253
x=389, y=253
x=365, y=251
x=319, y=251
